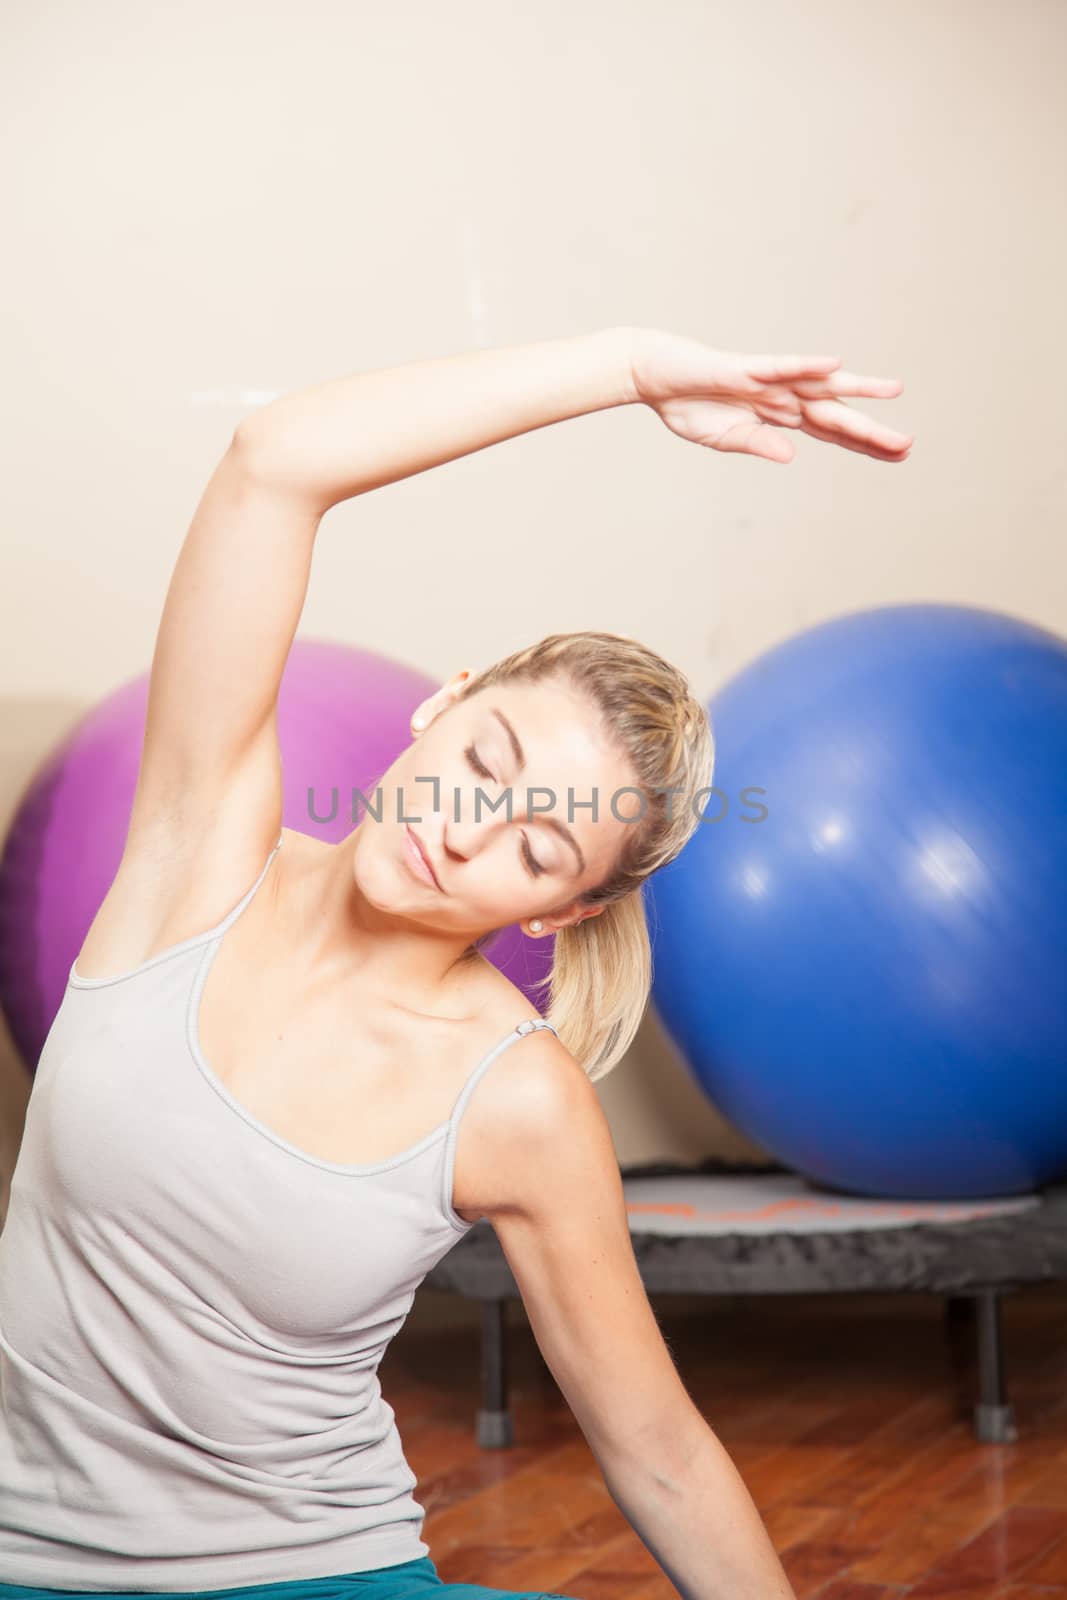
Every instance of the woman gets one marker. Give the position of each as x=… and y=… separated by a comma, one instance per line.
x=265, y=1109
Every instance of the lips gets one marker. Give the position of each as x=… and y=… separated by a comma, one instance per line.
x=424, y=858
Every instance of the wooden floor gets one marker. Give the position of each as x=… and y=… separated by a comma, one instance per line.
x=848, y=1417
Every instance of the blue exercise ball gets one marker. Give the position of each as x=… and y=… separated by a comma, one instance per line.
x=861, y=954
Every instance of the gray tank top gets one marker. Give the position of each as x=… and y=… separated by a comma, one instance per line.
x=193, y=1311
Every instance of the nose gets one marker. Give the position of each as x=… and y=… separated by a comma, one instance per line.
x=448, y=847
x=461, y=840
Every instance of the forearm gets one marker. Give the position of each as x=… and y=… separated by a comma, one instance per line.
x=698, y=1519
x=343, y=437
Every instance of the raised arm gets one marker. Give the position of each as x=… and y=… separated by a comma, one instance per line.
x=352, y=434
x=210, y=766
x=211, y=763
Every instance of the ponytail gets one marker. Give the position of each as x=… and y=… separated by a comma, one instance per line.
x=599, y=983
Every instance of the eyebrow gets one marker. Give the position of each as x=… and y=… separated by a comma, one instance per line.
x=520, y=761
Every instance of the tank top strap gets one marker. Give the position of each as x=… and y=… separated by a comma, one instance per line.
x=530, y=1025
x=231, y=916
x=184, y=946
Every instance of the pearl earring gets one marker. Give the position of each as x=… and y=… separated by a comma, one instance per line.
x=536, y=925
x=418, y=722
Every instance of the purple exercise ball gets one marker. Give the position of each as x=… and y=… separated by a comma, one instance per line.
x=343, y=718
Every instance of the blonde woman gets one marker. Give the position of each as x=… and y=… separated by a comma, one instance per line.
x=284, y=1078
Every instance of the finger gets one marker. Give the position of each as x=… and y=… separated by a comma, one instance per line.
x=839, y=418
x=787, y=369
x=859, y=447
x=841, y=383
x=836, y=423
x=866, y=447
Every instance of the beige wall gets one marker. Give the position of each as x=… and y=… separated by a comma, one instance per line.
x=221, y=201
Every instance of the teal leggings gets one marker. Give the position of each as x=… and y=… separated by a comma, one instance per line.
x=408, y=1580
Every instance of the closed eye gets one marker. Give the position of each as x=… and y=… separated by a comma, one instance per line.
x=476, y=762
x=532, y=865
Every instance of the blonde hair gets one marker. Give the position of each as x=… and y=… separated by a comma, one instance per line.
x=601, y=973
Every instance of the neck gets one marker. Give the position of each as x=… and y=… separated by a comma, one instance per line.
x=342, y=938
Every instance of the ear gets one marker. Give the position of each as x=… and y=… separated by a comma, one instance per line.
x=445, y=696
x=572, y=916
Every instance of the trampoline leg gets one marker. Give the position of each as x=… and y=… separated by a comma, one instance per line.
x=493, y=1424
x=994, y=1420
x=959, y=1320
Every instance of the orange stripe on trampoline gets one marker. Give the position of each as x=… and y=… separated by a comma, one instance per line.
x=775, y=1208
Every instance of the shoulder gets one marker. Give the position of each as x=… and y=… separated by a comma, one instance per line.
x=532, y=1133
x=540, y=1084
x=541, y=1073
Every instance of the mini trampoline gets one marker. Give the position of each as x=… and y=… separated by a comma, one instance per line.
x=712, y=1229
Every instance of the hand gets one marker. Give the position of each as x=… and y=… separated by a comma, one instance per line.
x=735, y=402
